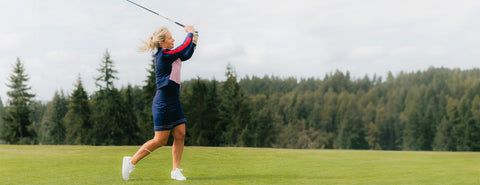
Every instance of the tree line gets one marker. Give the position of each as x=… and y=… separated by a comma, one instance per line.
x=436, y=109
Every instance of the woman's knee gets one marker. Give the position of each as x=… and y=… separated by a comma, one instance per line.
x=179, y=134
x=158, y=142
x=160, y=138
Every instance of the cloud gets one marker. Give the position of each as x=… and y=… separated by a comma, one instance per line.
x=366, y=53
x=10, y=40
x=220, y=49
x=281, y=37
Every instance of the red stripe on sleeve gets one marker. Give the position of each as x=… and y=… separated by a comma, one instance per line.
x=187, y=42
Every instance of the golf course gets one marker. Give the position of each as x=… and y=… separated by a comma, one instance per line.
x=21, y=164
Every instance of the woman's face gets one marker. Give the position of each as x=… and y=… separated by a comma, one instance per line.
x=168, y=43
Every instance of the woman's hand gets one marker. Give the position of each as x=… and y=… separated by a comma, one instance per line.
x=195, y=38
x=189, y=29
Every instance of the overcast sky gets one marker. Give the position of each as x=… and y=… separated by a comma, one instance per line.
x=59, y=40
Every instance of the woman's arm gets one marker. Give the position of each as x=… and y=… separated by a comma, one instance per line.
x=188, y=54
x=179, y=51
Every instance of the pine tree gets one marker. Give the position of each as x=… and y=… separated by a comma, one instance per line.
x=107, y=73
x=450, y=130
x=1, y=106
x=110, y=125
x=52, y=129
x=329, y=112
x=263, y=121
x=441, y=142
x=461, y=129
x=372, y=136
x=195, y=108
x=233, y=112
x=200, y=106
x=351, y=131
x=105, y=103
x=145, y=119
x=412, y=137
x=17, y=122
x=475, y=127
x=467, y=131
x=372, y=132
x=129, y=119
x=2, y=115
x=77, y=119
x=38, y=109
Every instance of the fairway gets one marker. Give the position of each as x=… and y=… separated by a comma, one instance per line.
x=217, y=165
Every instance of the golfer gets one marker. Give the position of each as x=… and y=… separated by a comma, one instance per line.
x=167, y=111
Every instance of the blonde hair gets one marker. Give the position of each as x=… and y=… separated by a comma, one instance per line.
x=153, y=42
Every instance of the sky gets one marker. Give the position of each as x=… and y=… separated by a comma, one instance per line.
x=59, y=41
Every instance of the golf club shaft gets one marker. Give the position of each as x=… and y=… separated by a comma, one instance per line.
x=158, y=14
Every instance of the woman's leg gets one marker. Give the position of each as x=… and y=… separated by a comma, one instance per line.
x=160, y=139
x=178, y=133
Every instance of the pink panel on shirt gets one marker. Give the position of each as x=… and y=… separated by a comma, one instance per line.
x=176, y=71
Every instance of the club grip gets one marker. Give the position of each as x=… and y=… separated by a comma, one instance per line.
x=184, y=26
x=179, y=24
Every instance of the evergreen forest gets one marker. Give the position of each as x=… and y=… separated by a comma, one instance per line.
x=436, y=109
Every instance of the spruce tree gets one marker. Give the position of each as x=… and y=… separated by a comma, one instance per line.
x=351, y=132
x=145, y=119
x=38, y=109
x=372, y=119
x=233, y=112
x=212, y=116
x=263, y=122
x=412, y=137
x=441, y=142
x=2, y=114
x=52, y=129
x=194, y=104
x=17, y=122
x=77, y=119
x=129, y=119
x=60, y=109
x=200, y=106
x=110, y=127
x=475, y=127
x=107, y=73
x=463, y=130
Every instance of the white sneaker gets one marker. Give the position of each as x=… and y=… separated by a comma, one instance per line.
x=127, y=168
x=177, y=175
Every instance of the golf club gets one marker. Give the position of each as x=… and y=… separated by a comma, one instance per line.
x=159, y=14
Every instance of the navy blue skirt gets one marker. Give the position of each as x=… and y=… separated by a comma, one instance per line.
x=166, y=108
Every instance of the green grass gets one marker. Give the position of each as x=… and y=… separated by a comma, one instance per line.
x=210, y=165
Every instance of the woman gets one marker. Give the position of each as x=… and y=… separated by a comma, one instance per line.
x=166, y=108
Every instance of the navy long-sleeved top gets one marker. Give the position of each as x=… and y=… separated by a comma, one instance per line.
x=168, y=63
